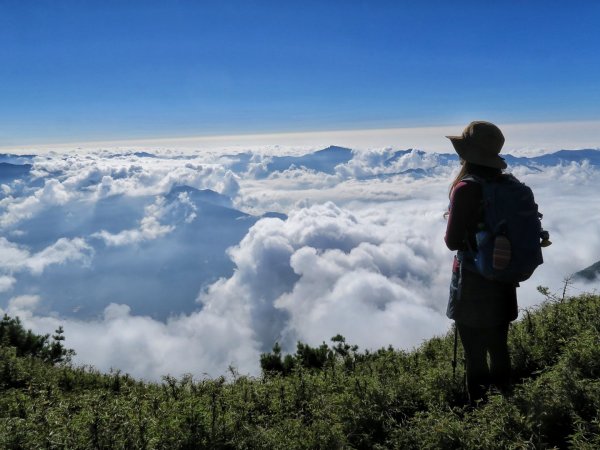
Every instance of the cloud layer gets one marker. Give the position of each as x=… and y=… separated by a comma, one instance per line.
x=180, y=278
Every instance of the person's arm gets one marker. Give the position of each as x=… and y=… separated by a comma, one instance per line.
x=464, y=205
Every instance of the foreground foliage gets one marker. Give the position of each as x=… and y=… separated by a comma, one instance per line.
x=325, y=397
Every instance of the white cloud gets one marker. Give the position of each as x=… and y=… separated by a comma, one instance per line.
x=62, y=251
x=6, y=283
x=150, y=225
x=325, y=271
x=229, y=186
x=321, y=272
x=23, y=306
x=355, y=255
x=103, y=173
x=324, y=265
x=14, y=258
x=150, y=228
x=568, y=198
x=18, y=208
x=201, y=343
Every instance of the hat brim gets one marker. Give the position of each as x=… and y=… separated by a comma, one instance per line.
x=474, y=155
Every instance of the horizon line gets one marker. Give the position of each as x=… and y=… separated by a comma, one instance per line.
x=529, y=135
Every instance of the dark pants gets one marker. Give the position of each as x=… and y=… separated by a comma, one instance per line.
x=478, y=343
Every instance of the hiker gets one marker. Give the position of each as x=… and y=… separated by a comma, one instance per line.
x=481, y=308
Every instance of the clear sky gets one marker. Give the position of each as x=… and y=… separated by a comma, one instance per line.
x=103, y=70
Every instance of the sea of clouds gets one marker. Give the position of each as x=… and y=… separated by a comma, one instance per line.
x=162, y=261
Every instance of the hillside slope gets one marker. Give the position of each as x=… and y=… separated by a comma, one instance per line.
x=327, y=397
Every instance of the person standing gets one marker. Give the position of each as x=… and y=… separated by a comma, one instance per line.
x=481, y=308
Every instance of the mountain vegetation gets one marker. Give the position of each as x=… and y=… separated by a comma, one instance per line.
x=330, y=396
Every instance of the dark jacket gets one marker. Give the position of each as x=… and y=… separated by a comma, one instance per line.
x=474, y=301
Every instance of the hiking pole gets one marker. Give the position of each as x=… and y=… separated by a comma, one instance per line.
x=455, y=350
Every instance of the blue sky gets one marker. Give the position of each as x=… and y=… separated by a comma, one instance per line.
x=103, y=70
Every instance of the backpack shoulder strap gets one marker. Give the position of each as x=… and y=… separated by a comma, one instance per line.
x=466, y=257
x=474, y=178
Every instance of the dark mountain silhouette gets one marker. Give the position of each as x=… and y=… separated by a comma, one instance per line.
x=397, y=155
x=275, y=215
x=567, y=156
x=322, y=160
x=144, y=155
x=9, y=172
x=238, y=162
x=201, y=195
x=16, y=159
x=590, y=273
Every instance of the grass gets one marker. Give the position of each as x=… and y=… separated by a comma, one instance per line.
x=332, y=396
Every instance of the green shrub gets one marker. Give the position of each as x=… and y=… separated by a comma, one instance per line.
x=329, y=396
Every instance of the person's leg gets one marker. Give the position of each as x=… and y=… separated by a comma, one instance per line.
x=497, y=344
x=478, y=377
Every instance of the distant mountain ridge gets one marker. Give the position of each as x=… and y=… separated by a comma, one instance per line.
x=590, y=273
x=327, y=159
x=16, y=159
x=321, y=160
x=10, y=171
x=201, y=195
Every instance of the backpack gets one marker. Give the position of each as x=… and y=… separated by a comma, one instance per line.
x=509, y=246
